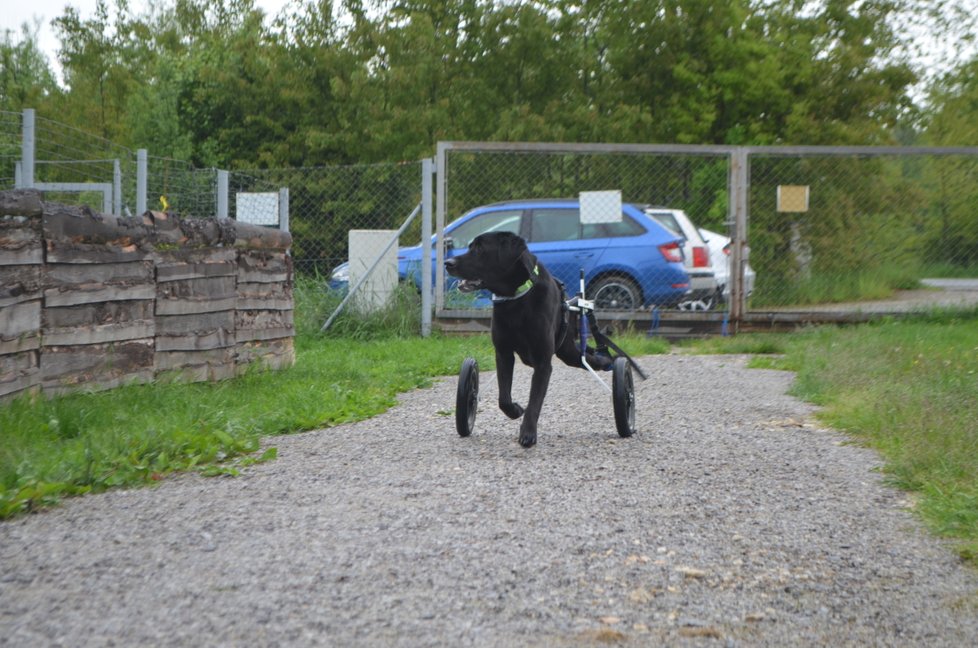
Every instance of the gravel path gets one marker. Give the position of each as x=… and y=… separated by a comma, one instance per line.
x=730, y=519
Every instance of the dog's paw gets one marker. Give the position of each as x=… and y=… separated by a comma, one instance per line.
x=512, y=410
x=528, y=440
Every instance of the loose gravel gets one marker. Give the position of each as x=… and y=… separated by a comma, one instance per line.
x=730, y=519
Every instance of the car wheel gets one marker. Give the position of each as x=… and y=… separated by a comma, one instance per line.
x=615, y=292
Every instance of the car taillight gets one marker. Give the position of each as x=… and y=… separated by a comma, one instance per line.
x=672, y=252
x=701, y=257
x=726, y=249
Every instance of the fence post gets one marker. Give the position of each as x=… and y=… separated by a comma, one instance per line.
x=142, y=166
x=116, y=188
x=222, y=193
x=739, y=185
x=440, y=196
x=427, y=177
x=27, y=150
x=283, y=209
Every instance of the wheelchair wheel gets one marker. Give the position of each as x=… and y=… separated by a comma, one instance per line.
x=623, y=396
x=467, y=397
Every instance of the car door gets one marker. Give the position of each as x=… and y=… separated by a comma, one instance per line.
x=556, y=237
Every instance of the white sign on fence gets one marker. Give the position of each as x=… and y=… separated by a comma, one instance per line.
x=257, y=208
x=601, y=206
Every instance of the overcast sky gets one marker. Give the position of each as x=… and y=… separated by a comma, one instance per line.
x=17, y=12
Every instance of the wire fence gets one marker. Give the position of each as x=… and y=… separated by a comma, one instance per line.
x=843, y=230
x=72, y=166
x=833, y=230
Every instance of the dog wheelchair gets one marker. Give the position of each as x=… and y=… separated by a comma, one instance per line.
x=622, y=388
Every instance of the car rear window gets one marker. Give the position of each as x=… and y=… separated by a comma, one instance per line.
x=669, y=222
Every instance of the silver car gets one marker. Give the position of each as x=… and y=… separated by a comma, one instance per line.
x=697, y=261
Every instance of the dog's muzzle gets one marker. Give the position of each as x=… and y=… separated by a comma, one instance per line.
x=464, y=285
x=469, y=285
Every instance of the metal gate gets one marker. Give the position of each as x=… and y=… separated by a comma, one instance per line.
x=815, y=233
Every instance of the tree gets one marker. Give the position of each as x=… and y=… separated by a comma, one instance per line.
x=26, y=79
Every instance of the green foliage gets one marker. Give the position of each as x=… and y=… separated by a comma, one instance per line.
x=358, y=81
x=26, y=80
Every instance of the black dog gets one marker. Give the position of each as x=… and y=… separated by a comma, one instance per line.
x=529, y=319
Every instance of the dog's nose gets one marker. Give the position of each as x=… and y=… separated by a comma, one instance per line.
x=449, y=263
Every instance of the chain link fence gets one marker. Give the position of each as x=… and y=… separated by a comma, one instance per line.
x=78, y=168
x=625, y=265
x=829, y=230
x=836, y=231
x=861, y=227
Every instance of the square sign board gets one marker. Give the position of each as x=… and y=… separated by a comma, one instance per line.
x=257, y=208
x=600, y=207
x=793, y=198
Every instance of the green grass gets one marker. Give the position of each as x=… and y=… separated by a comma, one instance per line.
x=907, y=388
x=133, y=435
x=834, y=288
x=51, y=448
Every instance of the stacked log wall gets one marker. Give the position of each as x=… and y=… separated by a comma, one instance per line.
x=92, y=301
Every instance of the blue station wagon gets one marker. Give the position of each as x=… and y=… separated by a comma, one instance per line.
x=628, y=264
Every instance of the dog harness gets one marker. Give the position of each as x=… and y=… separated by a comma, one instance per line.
x=521, y=291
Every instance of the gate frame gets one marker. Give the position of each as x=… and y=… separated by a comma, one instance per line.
x=738, y=216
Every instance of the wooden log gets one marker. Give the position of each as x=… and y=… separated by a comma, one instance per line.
x=19, y=283
x=270, y=354
x=188, y=296
x=96, y=366
x=23, y=318
x=190, y=264
x=256, y=237
x=84, y=225
x=263, y=325
x=265, y=296
x=195, y=332
x=24, y=342
x=20, y=240
x=61, y=251
x=69, y=284
x=80, y=235
x=21, y=202
x=18, y=372
x=259, y=266
x=99, y=322
x=195, y=366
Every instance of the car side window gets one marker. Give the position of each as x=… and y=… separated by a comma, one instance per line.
x=625, y=227
x=555, y=225
x=495, y=221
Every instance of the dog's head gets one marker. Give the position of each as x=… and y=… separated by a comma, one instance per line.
x=497, y=261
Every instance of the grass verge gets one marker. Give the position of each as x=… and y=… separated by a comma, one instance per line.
x=906, y=388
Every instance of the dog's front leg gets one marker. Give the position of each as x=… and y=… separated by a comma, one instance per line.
x=538, y=391
x=504, y=378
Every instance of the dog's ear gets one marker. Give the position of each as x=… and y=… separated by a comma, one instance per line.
x=529, y=261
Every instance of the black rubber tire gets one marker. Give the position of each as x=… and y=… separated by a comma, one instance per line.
x=616, y=293
x=623, y=396
x=467, y=397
